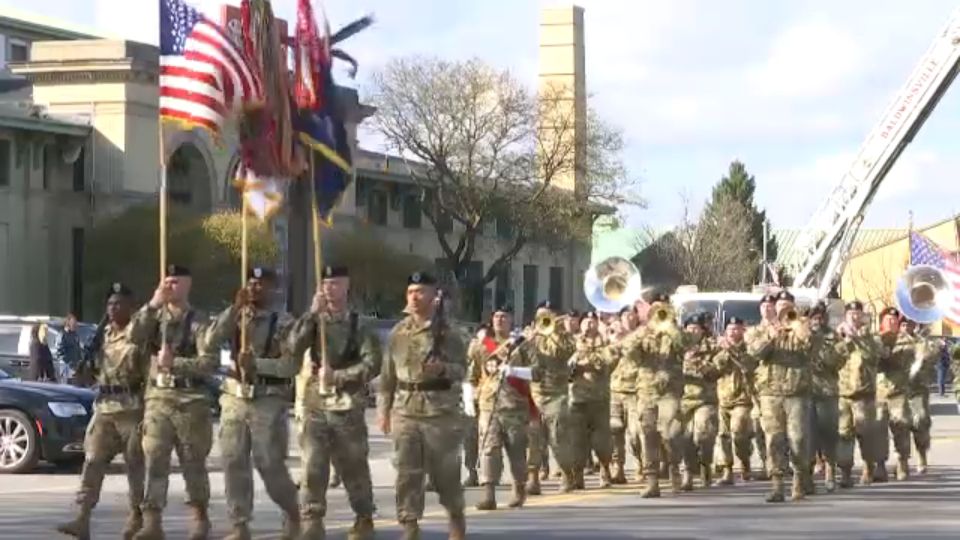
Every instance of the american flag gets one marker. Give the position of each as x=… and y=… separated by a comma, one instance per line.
x=924, y=251
x=203, y=74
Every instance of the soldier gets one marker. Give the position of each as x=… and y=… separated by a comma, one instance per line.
x=590, y=368
x=901, y=349
x=419, y=406
x=253, y=403
x=783, y=385
x=698, y=408
x=768, y=319
x=551, y=350
x=471, y=441
x=120, y=361
x=824, y=408
x=623, y=399
x=858, y=391
x=656, y=350
x=177, y=415
x=333, y=427
x=736, y=395
x=500, y=372
x=920, y=395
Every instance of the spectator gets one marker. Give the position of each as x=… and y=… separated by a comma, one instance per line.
x=943, y=367
x=41, y=361
x=68, y=346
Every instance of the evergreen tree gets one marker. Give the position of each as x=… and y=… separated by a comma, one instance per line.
x=741, y=186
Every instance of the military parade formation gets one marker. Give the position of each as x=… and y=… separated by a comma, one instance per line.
x=586, y=388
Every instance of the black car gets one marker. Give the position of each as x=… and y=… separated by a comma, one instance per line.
x=41, y=421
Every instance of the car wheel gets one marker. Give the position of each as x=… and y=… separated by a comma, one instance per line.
x=19, y=443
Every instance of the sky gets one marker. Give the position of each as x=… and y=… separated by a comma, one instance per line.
x=792, y=89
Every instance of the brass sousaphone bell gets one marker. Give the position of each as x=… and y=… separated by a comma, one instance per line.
x=612, y=284
x=922, y=294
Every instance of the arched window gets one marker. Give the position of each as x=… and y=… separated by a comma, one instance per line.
x=188, y=178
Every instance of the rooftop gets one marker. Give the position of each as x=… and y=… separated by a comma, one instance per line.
x=41, y=25
x=29, y=117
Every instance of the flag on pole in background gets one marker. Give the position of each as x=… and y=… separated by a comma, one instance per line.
x=924, y=251
x=203, y=74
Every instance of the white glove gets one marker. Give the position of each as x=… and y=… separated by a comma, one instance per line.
x=524, y=373
x=915, y=367
x=468, y=397
x=225, y=358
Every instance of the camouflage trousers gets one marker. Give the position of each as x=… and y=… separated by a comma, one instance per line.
x=699, y=422
x=554, y=429
x=427, y=445
x=736, y=432
x=759, y=437
x=339, y=437
x=786, y=423
x=858, y=424
x=658, y=418
x=109, y=434
x=893, y=418
x=505, y=430
x=187, y=428
x=623, y=409
x=471, y=442
x=824, y=427
x=590, y=431
x=258, y=427
x=920, y=424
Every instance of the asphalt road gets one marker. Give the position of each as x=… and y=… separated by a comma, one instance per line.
x=924, y=507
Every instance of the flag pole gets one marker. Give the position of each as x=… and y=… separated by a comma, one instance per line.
x=163, y=219
x=318, y=267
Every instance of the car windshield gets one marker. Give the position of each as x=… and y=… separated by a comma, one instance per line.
x=748, y=310
x=695, y=306
x=4, y=375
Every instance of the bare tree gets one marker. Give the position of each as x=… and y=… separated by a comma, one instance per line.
x=489, y=149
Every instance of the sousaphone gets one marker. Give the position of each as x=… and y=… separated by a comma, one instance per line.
x=923, y=294
x=612, y=284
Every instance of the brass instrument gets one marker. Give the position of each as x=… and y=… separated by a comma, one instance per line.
x=662, y=318
x=546, y=324
x=612, y=284
x=791, y=321
x=922, y=294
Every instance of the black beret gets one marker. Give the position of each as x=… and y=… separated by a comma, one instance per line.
x=330, y=272
x=119, y=289
x=818, y=309
x=890, y=311
x=699, y=319
x=260, y=272
x=575, y=314
x=855, y=305
x=625, y=309
x=421, y=278
x=506, y=308
x=767, y=298
x=785, y=295
x=734, y=320
x=660, y=297
x=546, y=304
x=175, y=270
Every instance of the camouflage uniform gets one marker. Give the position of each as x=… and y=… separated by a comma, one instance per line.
x=759, y=437
x=503, y=420
x=659, y=363
x=735, y=394
x=623, y=410
x=425, y=415
x=550, y=390
x=178, y=417
x=115, y=427
x=471, y=440
x=782, y=378
x=858, y=406
x=334, y=427
x=893, y=405
x=590, y=406
x=825, y=408
x=253, y=416
x=698, y=410
x=920, y=400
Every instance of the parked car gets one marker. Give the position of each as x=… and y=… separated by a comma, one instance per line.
x=15, y=341
x=41, y=421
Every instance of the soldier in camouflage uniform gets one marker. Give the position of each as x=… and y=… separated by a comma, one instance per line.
x=333, y=429
x=253, y=403
x=768, y=320
x=471, y=441
x=735, y=395
x=120, y=360
x=503, y=394
x=177, y=415
x=920, y=397
x=550, y=390
x=656, y=350
x=858, y=392
x=419, y=405
x=623, y=401
x=698, y=407
x=783, y=381
x=824, y=408
x=590, y=368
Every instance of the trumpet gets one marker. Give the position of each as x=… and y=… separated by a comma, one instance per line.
x=791, y=321
x=545, y=324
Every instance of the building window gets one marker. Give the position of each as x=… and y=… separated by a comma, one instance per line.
x=556, y=287
x=377, y=209
x=504, y=229
x=19, y=51
x=411, y=211
x=5, y=164
x=503, y=294
x=530, y=291
x=79, y=172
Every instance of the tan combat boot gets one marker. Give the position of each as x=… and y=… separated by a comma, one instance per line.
x=533, y=483
x=846, y=477
x=652, y=488
x=605, y=475
x=922, y=462
x=674, y=472
x=726, y=478
x=639, y=476
x=866, y=477
x=519, y=495
x=313, y=529
x=152, y=526
x=687, y=483
x=489, y=501
x=567, y=482
x=472, y=480
x=133, y=524
x=362, y=529
x=706, y=475
x=458, y=527
x=79, y=527
x=240, y=531
x=829, y=477
x=199, y=522
x=776, y=492
x=880, y=473
x=903, y=469
x=618, y=476
x=798, y=489
x=745, y=474
x=411, y=531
